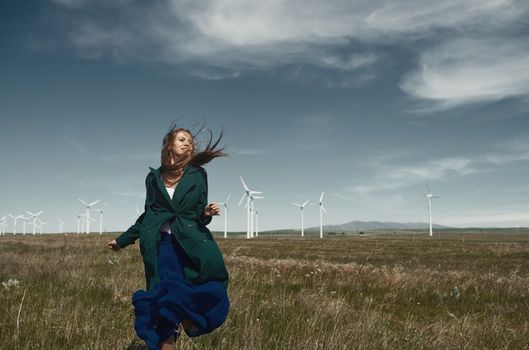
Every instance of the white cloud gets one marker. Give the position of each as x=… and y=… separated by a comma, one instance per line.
x=467, y=70
x=396, y=177
x=242, y=35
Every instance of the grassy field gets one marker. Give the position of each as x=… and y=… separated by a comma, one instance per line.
x=457, y=290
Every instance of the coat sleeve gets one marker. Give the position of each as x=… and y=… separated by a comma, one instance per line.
x=203, y=201
x=131, y=235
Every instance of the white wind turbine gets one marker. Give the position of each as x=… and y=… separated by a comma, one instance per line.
x=61, y=224
x=429, y=195
x=34, y=223
x=252, y=214
x=79, y=217
x=247, y=193
x=41, y=225
x=15, y=219
x=3, y=221
x=24, y=224
x=100, y=210
x=88, y=218
x=301, y=206
x=322, y=209
x=225, y=205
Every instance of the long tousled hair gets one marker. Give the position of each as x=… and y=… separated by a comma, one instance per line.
x=173, y=166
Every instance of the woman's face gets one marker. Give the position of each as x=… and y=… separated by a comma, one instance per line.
x=183, y=143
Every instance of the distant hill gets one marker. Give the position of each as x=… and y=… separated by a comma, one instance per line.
x=375, y=225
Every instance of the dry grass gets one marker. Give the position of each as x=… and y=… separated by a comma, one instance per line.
x=461, y=291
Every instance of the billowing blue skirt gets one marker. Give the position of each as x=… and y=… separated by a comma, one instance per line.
x=174, y=299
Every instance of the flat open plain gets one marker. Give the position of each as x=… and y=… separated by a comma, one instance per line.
x=457, y=290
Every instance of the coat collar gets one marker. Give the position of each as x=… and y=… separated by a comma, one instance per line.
x=181, y=187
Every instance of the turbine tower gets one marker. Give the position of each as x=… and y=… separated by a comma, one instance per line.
x=100, y=210
x=88, y=218
x=429, y=196
x=301, y=206
x=257, y=223
x=24, y=224
x=3, y=221
x=15, y=219
x=41, y=225
x=225, y=204
x=252, y=214
x=34, y=223
x=61, y=224
x=247, y=194
x=322, y=209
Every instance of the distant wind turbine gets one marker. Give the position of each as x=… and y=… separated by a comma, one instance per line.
x=34, y=223
x=3, y=221
x=61, y=224
x=15, y=219
x=88, y=213
x=225, y=205
x=322, y=209
x=100, y=210
x=429, y=196
x=252, y=214
x=301, y=206
x=248, y=193
x=24, y=224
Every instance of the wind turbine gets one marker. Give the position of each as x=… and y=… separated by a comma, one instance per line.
x=301, y=206
x=322, y=209
x=100, y=210
x=247, y=194
x=41, y=225
x=34, y=223
x=88, y=213
x=61, y=224
x=79, y=217
x=225, y=204
x=3, y=221
x=252, y=214
x=429, y=195
x=15, y=219
x=24, y=224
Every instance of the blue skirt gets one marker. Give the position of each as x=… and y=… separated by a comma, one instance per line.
x=160, y=310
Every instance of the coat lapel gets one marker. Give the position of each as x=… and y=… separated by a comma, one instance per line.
x=180, y=189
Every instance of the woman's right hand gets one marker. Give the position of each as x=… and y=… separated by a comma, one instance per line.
x=113, y=245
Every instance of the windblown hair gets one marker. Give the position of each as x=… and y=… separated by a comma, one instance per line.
x=173, y=166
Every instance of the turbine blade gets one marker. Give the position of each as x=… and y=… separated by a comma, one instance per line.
x=30, y=213
x=97, y=201
x=244, y=195
x=304, y=204
x=296, y=204
x=227, y=199
x=244, y=184
x=82, y=201
x=323, y=208
x=40, y=212
x=321, y=197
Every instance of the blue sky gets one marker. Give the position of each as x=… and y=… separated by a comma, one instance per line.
x=365, y=100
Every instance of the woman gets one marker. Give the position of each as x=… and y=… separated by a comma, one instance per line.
x=184, y=269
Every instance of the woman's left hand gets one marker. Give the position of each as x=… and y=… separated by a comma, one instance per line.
x=212, y=209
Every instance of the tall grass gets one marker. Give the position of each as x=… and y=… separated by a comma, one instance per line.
x=459, y=291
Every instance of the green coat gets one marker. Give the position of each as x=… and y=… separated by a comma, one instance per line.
x=186, y=211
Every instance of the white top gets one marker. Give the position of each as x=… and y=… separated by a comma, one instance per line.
x=166, y=227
